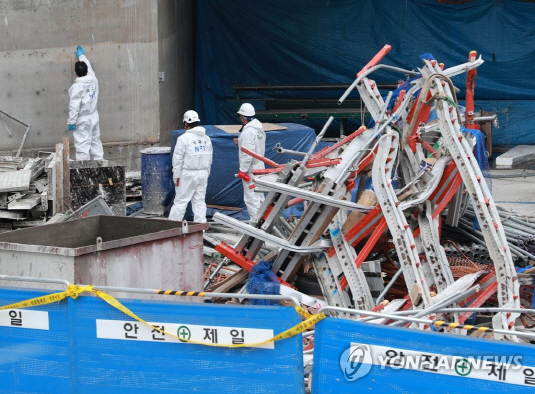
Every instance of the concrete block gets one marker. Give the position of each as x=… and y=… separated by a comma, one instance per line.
x=519, y=154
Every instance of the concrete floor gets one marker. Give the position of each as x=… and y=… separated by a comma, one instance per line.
x=517, y=193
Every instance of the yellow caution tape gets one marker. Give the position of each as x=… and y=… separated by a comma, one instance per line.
x=468, y=327
x=182, y=293
x=74, y=291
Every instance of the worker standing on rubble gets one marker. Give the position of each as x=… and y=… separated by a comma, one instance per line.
x=192, y=160
x=252, y=137
x=83, y=115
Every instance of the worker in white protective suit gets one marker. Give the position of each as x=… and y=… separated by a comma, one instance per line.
x=253, y=138
x=83, y=115
x=192, y=160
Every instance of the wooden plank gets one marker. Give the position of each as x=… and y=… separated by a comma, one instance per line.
x=229, y=283
x=369, y=199
x=235, y=129
x=51, y=176
x=66, y=175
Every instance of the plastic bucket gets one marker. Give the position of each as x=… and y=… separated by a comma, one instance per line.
x=155, y=178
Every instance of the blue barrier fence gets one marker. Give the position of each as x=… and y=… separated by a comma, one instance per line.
x=359, y=357
x=86, y=346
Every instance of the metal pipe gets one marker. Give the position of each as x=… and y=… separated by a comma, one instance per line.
x=517, y=226
x=154, y=291
x=508, y=216
x=512, y=248
x=519, y=221
x=489, y=310
x=412, y=319
x=325, y=151
x=33, y=279
x=317, y=141
x=462, y=310
x=214, y=273
x=385, y=106
x=19, y=151
x=14, y=118
x=389, y=285
x=424, y=312
x=511, y=225
x=485, y=118
x=447, y=301
x=281, y=150
x=358, y=157
x=268, y=88
x=348, y=91
x=304, y=185
x=369, y=71
x=28, y=126
x=202, y=294
x=285, y=224
x=279, y=233
x=263, y=159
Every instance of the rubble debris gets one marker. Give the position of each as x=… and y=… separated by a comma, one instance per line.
x=25, y=135
x=133, y=185
x=89, y=182
x=36, y=191
x=392, y=244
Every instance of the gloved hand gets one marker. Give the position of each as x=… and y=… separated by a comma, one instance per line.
x=71, y=127
x=244, y=176
x=176, y=181
x=79, y=51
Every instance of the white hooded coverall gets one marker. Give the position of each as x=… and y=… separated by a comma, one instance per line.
x=192, y=160
x=83, y=113
x=253, y=138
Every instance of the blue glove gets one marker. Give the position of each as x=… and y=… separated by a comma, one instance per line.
x=79, y=51
x=71, y=127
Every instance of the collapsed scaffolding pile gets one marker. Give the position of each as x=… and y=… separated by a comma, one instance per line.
x=422, y=172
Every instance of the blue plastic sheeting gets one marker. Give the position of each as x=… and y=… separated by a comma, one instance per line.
x=69, y=358
x=223, y=187
x=263, y=281
x=241, y=41
x=335, y=336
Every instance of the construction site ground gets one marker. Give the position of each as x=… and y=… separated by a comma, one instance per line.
x=516, y=191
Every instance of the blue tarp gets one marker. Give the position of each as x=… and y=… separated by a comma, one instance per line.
x=223, y=187
x=315, y=42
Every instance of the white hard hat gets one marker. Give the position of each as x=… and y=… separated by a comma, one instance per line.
x=246, y=109
x=191, y=116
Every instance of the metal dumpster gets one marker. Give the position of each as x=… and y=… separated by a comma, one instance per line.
x=108, y=251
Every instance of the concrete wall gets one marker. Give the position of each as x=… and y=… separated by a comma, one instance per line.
x=176, y=22
x=122, y=40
